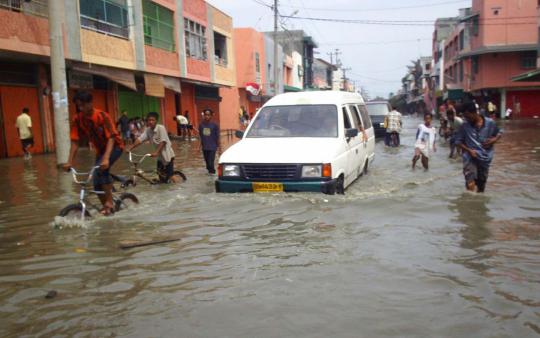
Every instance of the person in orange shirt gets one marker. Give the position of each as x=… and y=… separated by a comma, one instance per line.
x=99, y=129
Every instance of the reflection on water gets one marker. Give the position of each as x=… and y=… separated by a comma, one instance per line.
x=401, y=254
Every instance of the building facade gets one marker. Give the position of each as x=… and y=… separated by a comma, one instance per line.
x=168, y=56
x=502, y=44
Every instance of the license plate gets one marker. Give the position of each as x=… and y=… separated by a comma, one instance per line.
x=267, y=187
x=381, y=124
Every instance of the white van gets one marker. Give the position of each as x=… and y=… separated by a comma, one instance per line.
x=307, y=141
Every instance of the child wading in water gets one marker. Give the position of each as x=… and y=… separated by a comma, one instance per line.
x=425, y=142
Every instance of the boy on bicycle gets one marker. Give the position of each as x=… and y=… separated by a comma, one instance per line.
x=98, y=128
x=157, y=134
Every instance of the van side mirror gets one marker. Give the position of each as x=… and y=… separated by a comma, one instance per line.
x=351, y=132
x=239, y=134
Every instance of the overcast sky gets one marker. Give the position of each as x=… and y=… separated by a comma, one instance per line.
x=377, y=54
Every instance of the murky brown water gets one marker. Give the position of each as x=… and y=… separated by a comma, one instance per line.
x=403, y=254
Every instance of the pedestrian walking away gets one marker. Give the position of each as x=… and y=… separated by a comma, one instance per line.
x=123, y=125
x=425, y=142
x=98, y=128
x=477, y=137
x=24, y=129
x=157, y=134
x=393, y=125
x=454, y=124
x=209, y=134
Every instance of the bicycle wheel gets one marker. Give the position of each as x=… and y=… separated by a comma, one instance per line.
x=74, y=212
x=125, y=201
x=181, y=174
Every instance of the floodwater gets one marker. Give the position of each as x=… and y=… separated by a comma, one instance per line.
x=402, y=254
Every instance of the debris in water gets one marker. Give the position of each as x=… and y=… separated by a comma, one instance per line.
x=51, y=294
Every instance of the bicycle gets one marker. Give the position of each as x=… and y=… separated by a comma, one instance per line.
x=80, y=210
x=139, y=173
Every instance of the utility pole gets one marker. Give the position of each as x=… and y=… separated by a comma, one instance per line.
x=331, y=57
x=59, y=84
x=276, y=58
x=338, y=61
x=345, y=80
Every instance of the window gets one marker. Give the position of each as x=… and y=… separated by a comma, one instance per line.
x=356, y=117
x=365, y=116
x=257, y=63
x=105, y=16
x=158, y=26
x=346, y=120
x=461, y=40
x=220, y=49
x=475, y=26
x=295, y=121
x=461, y=71
x=195, y=38
x=528, y=60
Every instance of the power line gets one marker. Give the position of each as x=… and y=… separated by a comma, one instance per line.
x=372, y=42
x=395, y=22
x=382, y=9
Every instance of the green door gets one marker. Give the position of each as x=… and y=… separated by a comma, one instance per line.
x=137, y=105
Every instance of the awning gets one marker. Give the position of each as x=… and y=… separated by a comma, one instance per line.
x=172, y=83
x=499, y=49
x=153, y=85
x=121, y=76
x=453, y=94
x=531, y=76
x=291, y=89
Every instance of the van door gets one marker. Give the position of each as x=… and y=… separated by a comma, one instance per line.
x=353, y=148
x=370, y=131
x=361, y=149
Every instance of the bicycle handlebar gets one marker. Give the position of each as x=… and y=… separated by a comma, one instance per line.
x=90, y=174
x=143, y=157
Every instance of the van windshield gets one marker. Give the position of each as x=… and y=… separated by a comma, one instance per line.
x=377, y=108
x=295, y=121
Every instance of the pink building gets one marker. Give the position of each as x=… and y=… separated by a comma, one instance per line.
x=496, y=42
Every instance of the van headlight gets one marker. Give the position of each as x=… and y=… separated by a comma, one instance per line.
x=311, y=171
x=231, y=170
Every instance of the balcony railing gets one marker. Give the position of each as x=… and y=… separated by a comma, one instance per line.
x=31, y=7
x=104, y=27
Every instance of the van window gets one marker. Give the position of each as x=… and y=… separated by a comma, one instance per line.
x=346, y=120
x=295, y=121
x=365, y=116
x=356, y=117
x=377, y=108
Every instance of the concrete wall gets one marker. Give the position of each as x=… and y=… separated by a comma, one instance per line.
x=161, y=61
x=107, y=50
x=223, y=24
x=526, y=32
x=269, y=56
x=248, y=42
x=196, y=10
x=497, y=70
x=24, y=33
x=297, y=80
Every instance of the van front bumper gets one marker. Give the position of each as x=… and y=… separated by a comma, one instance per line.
x=326, y=187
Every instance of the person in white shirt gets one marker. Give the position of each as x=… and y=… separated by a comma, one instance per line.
x=425, y=142
x=157, y=134
x=24, y=129
x=182, y=123
x=393, y=125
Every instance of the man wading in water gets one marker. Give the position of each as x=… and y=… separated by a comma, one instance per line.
x=476, y=137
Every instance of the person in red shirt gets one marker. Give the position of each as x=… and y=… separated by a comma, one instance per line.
x=99, y=129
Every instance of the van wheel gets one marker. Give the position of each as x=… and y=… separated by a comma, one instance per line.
x=365, y=171
x=340, y=189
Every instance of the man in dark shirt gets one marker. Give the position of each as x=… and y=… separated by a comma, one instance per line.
x=123, y=123
x=476, y=138
x=209, y=134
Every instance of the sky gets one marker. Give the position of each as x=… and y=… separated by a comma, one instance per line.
x=376, y=53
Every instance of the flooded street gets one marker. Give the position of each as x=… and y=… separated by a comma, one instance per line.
x=402, y=254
